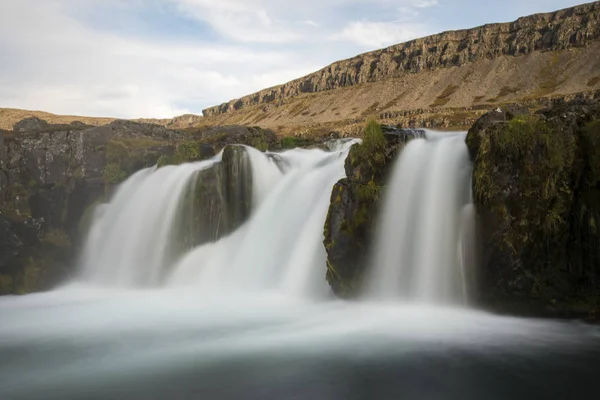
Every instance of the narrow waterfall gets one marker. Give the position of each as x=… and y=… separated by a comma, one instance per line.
x=425, y=233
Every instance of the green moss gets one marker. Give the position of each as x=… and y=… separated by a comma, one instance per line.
x=31, y=278
x=6, y=284
x=523, y=177
x=164, y=160
x=56, y=238
x=117, y=152
x=188, y=151
x=291, y=142
x=113, y=174
x=78, y=173
x=259, y=143
x=371, y=152
x=369, y=192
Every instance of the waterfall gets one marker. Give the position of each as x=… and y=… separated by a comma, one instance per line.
x=129, y=241
x=148, y=234
x=423, y=243
x=280, y=248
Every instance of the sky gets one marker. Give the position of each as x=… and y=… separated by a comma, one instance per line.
x=162, y=58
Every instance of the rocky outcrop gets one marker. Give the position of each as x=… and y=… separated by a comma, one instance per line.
x=52, y=176
x=354, y=205
x=536, y=186
x=49, y=177
x=220, y=136
x=216, y=203
x=569, y=28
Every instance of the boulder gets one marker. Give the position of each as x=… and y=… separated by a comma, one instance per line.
x=354, y=206
x=537, y=194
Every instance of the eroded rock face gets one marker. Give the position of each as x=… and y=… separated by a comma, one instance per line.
x=569, y=28
x=355, y=201
x=217, y=202
x=537, y=193
x=49, y=176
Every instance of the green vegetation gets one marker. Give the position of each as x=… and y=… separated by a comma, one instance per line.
x=370, y=154
x=291, y=142
x=536, y=183
x=6, y=284
x=543, y=157
x=113, y=174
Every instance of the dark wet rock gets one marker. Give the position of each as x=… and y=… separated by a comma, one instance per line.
x=354, y=206
x=50, y=175
x=536, y=188
x=217, y=202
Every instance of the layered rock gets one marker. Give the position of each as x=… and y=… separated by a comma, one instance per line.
x=217, y=201
x=565, y=29
x=355, y=201
x=50, y=175
x=536, y=187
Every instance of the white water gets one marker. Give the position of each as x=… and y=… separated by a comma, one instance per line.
x=129, y=241
x=422, y=245
x=280, y=248
x=239, y=320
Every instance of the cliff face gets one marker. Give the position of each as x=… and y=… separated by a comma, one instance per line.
x=565, y=29
x=53, y=175
x=537, y=193
x=50, y=175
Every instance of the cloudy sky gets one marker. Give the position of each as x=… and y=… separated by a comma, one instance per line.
x=161, y=58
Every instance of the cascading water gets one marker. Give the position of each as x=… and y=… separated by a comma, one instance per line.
x=129, y=242
x=266, y=337
x=280, y=248
x=424, y=239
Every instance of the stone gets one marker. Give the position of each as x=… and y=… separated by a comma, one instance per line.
x=537, y=195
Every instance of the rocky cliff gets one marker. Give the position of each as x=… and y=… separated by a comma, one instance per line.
x=569, y=28
x=52, y=175
x=536, y=189
x=49, y=176
x=536, y=186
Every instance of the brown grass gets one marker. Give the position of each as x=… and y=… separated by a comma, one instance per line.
x=594, y=81
x=444, y=97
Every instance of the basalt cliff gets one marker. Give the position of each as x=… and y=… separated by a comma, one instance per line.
x=446, y=80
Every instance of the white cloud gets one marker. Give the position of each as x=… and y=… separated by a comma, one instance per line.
x=379, y=34
x=54, y=60
x=310, y=22
x=62, y=66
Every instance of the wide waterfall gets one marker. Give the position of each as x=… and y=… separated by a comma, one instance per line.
x=425, y=241
x=280, y=248
x=207, y=280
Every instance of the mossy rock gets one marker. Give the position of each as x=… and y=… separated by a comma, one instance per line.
x=536, y=190
x=354, y=206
